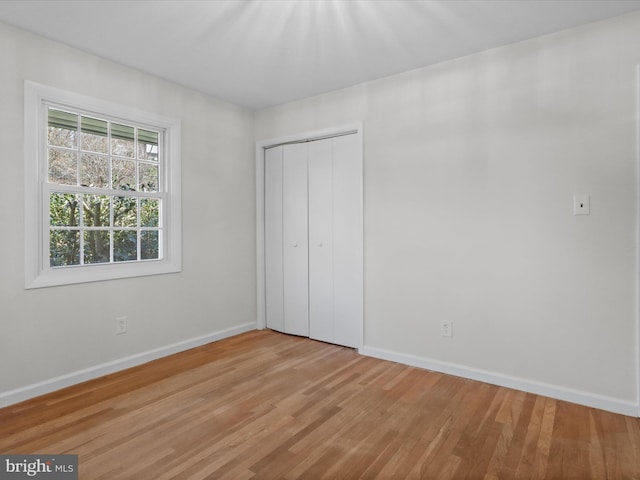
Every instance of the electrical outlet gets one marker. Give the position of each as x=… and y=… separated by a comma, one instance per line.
x=446, y=328
x=121, y=325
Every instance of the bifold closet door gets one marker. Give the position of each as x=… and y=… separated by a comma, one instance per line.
x=286, y=239
x=335, y=241
x=273, y=241
x=348, y=251
x=321, y=306
x=295, y=231
x=313, y=239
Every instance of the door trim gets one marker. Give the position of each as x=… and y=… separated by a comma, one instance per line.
x=637, y=286
x=352, y=128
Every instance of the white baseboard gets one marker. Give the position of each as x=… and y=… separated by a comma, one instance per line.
x=560, y=393
x=30, y=391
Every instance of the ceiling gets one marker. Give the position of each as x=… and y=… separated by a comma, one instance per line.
x=259, y=53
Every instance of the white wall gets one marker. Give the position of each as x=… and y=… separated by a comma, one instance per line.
x=52, y=332
x=470, y=168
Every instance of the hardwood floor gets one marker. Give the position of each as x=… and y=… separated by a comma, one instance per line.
x=264, y=405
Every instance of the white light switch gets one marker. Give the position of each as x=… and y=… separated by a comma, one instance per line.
x=581, y=204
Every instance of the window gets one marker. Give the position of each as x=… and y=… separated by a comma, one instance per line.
x=102, y=190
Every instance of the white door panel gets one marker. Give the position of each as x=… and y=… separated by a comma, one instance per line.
x=347, y=233
x=274, y=274
x=321, y=241
x=295, y=239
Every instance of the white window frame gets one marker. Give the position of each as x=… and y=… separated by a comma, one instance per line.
x=38, y=272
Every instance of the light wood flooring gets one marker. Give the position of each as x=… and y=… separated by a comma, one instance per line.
x=264, y=405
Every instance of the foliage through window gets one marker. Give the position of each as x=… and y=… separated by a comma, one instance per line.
x=109, y=195
x=105, y=205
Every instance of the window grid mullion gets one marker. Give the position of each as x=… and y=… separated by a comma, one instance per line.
x=105, y=191
x=81, y=227
x=138, y=231
x=111, y=222
x=78, y=154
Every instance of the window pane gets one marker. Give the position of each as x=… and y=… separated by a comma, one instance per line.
x=123, y=141
x=95, y=209
x=125, y=212
x=93, y=135
x=148, y=177
x=125, y=245
x=149, y=244
x=96, y=246
x=149, y=212
x=63, y=167
x=64, y=248
x=94, y=171
x=63, y=210
x=62, y=129
x=147, y=145
x=123, y=173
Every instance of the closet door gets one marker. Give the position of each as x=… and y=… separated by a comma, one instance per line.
x=313, y=239
x=273, y=241
x=295, y=239
x=348, y=255
x=286, y=239
x=321, y=265
x=335, y=241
